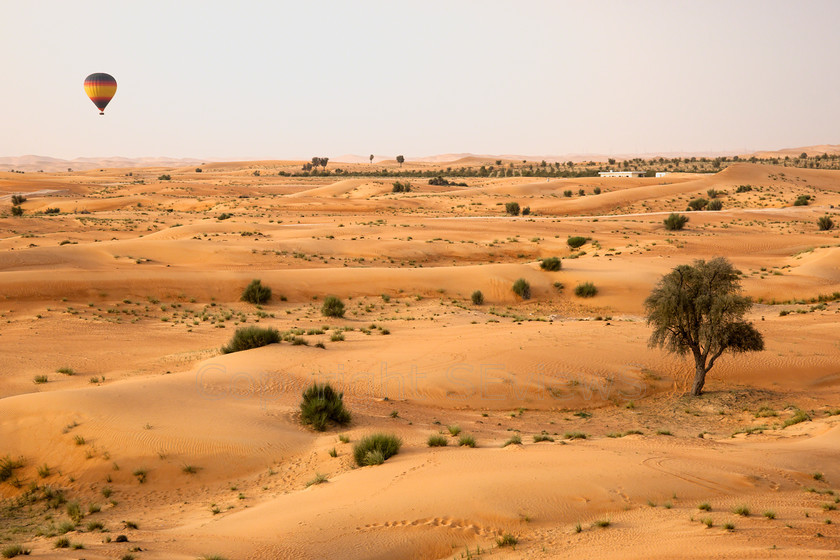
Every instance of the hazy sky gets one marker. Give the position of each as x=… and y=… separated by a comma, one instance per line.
x=214, y=79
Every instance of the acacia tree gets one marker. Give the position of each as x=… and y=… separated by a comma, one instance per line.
x=371, y=158
x=400, y=160
x=699, y=308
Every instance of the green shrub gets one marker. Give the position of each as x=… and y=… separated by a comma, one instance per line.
x=597, y=190
x=512, y=208
x=522, y=288
x=437, y=440
x=798, y=417
x=515, y=439
x=586, y=290
x=321, y=405
x=246, y=338
x=825, y=223
x=466, y=441
x=477, y=298
x=375, y=449
x=256, y=293
x=526, y=211
x=15, y=550
x=165, y=177
x=399, y=187
x=698, y=204
x=715, y=205
x=507, y=540
x=18, y=199
x=802, y=200
x=332, y=307
x=675, y=222
x=17, y=211
x=8, y=467
x=551, y=264
x=575, y=241
x=741, y=510
x=542, y=437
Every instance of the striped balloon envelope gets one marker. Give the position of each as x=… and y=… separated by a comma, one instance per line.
x=100, y=88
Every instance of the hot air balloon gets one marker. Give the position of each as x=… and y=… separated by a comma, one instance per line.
x=100, y=87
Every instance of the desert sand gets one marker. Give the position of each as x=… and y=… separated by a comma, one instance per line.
x=134, y=286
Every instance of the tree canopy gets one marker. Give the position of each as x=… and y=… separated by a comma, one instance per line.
x=699, y=309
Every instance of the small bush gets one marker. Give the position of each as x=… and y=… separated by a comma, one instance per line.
x=15, y=550
x=522, y=288
x=319, y=479
x=477, y=298
x=802, y=200
x=224, y=216
x=602, y=523
x=507, y=540
x=18, y=199
x=437, y=440
x=376, y=448
x=576, y=241
x=526, y=211
x=454, y=429
x=62, y=542
x=332, y=307
x=256, y=293
x=597, y=190
x=512, y=208
x=552, y=264
x=698, y=204
x=542, y=437
x=515, y=439
x=705, y=506
x=17, y=211
x=322, y=405
x=770, y=514
x=798, y=417
x=741, y=510
x=466, y=441
x=825, y=223
x=52, y=211
x=574, y=435
x=65, y=371
x=399, y=187
x=40, y=379
x=675, y=222
x=715, y=205
x=246, y=338
x=586, y=290
x=165, y=177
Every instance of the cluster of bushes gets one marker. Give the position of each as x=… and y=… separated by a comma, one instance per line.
x=165, y=177
x=743, y=188
x=699, y=204
x=401, y=187
x=441, y=182
x=375, y=449
x=802, y=200
x=512, y=208
x=224, y=216
x=17, y=200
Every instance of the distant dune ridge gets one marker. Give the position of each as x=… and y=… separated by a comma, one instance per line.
x=51, y=164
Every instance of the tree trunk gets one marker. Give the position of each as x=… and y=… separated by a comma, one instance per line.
x=699, y=376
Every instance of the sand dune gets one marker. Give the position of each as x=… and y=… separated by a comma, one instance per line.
x=134, y=286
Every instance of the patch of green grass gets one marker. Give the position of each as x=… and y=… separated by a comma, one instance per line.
x=466, y=441
x=15, y=550
x=798, y=416
x=664, y=433
x=708, y=522
x=333, y=452
x=574, y=435
x=515, y=439
x=65, y=371
x=542, y=437
x=507, y=540
x=729, y=526
x=770, y=514
x=344, y=438
x=62, y=542
x=39, y=379
x=742, y=510
x=454, y=429
x=602, y=523
x=189, y=469
x=319, y=479
x=705, y=506
x=437, y=440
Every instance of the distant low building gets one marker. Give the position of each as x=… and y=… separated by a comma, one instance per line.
x=662, y=173
x=621, y=174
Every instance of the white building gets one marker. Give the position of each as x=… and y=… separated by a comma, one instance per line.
x=662, y=173
x=621, y=174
